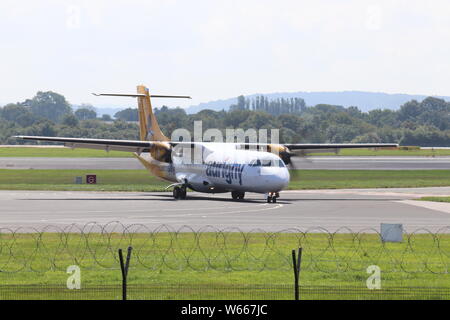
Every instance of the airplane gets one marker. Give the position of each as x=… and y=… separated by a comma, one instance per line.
x=224, y=167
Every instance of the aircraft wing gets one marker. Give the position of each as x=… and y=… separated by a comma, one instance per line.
x=143, y=146
x=325, y=147
x=317, y=147
x=102, y=144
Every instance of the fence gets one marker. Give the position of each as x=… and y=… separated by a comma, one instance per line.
x=230, y=249
x=219, y=291
x=226, y=263
x=150, y=292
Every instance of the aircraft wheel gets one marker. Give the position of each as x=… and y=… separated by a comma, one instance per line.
x=241, y=195
x=177, y=193
x=183, y=193
x=274, y=199
x=235, y=195
x=269, y=199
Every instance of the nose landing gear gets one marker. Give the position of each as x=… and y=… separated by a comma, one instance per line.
x=272, y=197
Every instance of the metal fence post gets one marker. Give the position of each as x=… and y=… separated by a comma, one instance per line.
x=124, y=268
x=296, y=262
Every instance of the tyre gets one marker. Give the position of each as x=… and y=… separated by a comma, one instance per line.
x=234, y=195
x=183, y=193
x=177, y=193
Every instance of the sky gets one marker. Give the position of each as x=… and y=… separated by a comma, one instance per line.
x=220, y=49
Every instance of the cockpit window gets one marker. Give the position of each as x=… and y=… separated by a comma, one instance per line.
x=281, y=163
x=267, y=163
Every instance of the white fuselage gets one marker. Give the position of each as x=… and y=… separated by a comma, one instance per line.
x=218, y=167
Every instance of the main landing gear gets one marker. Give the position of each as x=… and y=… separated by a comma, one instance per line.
x=237, y=195
x=179, y=193
x=272, y=197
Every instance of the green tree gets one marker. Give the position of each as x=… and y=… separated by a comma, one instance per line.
x=106, y=117
x=409, y=111
x=381, y=118
x=371, y=137
x=49, y=105
x=129, y=114
x=12, y=111
x=85, y=114
x=19, y=114
x=70, y=120
x=234, y=118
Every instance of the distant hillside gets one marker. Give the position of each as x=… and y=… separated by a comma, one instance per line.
x=365, y=101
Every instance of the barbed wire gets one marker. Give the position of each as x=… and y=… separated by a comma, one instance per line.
x=93, y=246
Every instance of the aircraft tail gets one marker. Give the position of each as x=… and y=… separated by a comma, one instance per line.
x=148, y=125
x=149, y=129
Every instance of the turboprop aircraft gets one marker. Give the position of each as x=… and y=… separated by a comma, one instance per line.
x=222, y=167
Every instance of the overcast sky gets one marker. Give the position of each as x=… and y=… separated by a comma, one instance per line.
x=220, y=49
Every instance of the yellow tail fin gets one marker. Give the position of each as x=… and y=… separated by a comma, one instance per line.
x=148, y=125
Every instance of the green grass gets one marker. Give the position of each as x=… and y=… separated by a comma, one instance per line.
x=60, y=153
x=81, y=153
x=436, y=199
x=388, y=152
x=338, y=179
x=107, y=180
x=169, y=266
x=141, y=180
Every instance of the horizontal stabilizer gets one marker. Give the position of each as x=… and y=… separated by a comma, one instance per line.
x=133, y=95
x=137, y=95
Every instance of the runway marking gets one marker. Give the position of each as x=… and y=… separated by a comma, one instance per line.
x=157, y=209
x=436, y=206
x=142, y=210
x=218, y=213
x=55, y=217
x=367, y=193
x=208, y=208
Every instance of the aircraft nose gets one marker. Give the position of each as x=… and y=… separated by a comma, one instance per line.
x=284, y=177
x=277, y=179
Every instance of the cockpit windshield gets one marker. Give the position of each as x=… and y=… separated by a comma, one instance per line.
x=267, y=163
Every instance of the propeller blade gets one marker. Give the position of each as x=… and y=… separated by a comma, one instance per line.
x=299, y=157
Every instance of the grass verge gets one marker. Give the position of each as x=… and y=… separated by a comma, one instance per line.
x=436, y=199
x=388, y=152
x=141, y=180
x=29, y=152
x=201, y=266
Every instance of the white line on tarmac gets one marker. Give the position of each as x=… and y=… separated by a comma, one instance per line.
x=436, y=206
x=366, y=193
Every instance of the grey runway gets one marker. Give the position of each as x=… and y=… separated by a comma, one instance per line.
x=329, y=209
x=309, y=163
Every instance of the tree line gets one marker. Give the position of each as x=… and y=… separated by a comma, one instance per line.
x=272, y=106
x=425, y=123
